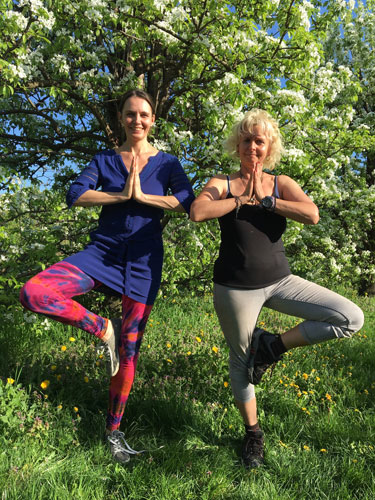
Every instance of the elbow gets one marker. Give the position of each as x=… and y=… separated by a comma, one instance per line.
x=194, y=217
x=194, y=213
x=315, y=217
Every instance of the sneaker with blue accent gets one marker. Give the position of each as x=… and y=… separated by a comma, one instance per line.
x=120, y=449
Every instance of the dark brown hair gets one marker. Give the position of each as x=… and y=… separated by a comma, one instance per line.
x=137, y=93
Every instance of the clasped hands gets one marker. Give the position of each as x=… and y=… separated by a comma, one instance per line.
x=132, y=189
x=254, y=189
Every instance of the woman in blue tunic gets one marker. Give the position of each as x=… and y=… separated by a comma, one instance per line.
x=125, y=252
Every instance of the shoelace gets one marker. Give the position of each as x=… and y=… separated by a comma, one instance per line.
x=120, y=444
x=104, y=350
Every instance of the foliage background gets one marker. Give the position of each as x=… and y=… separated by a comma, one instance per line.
x=64, y=65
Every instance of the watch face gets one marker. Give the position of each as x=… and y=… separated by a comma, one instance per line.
x=267, y=202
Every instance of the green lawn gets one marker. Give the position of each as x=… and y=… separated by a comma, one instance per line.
x=317, y=411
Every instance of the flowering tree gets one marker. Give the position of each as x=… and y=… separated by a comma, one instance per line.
x=65, y=65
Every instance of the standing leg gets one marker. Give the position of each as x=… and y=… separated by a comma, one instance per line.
x=238, y=311
x=135, y=316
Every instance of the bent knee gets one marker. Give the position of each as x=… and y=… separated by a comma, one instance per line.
x=29, y=297
x=355, y=321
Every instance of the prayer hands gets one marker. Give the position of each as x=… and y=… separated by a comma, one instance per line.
x=132, y=189
x=254, y=189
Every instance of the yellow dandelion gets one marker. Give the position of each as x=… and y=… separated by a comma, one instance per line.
x=323, y=450
x=97, y=363
x=169, y=361
x=59, y=407
x=72, y=339
x=355, y=460
x=356, y=409
x=86, y=378
x=46, y=396
x=53, y=367
x=283, y=365
x=261, y=323
x=215, y=349
x=304, y=392
x=282, y=444
x=189, y=353
x=10, y=381
x=226, y=384
x=75, y=409
x=329, y=397
x=281, y=381
x=148, y=346
x=58, y=377
x=63, y=348
x=101, y=356
x=317, y=379
x=303, y=409
x=305, y=447
x=305, y=376
x=198, y=339
x=365, y=391
x=45, y=384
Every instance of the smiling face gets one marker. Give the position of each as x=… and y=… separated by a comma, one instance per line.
x=253, y=146
x=137, y=118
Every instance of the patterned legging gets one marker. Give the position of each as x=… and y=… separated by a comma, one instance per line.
x=50, y=293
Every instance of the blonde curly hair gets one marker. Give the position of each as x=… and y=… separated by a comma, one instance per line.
x=270, y=128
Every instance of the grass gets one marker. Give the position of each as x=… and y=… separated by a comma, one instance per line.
x=317, y=411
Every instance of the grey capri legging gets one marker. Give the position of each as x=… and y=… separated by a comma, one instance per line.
x=327, y=315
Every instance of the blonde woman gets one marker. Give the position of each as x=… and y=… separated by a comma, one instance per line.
x=252, y=271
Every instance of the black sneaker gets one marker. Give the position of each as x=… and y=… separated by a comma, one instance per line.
x=261, y=355
x=253, y=449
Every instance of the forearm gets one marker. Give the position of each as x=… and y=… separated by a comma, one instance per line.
x=91, y=198
x=202, y=210
x=163, y=202
x=304, y=212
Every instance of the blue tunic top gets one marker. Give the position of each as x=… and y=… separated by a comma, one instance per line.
x=126, y=250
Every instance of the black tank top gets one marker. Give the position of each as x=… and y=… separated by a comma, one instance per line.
x=252, y=253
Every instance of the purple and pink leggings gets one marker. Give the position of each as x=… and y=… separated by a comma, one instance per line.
x=50, y=293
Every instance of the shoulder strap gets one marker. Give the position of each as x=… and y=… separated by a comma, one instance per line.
x=276, y=188
x=228, y=185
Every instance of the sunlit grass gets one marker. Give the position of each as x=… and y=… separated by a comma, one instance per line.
x=317, y=412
